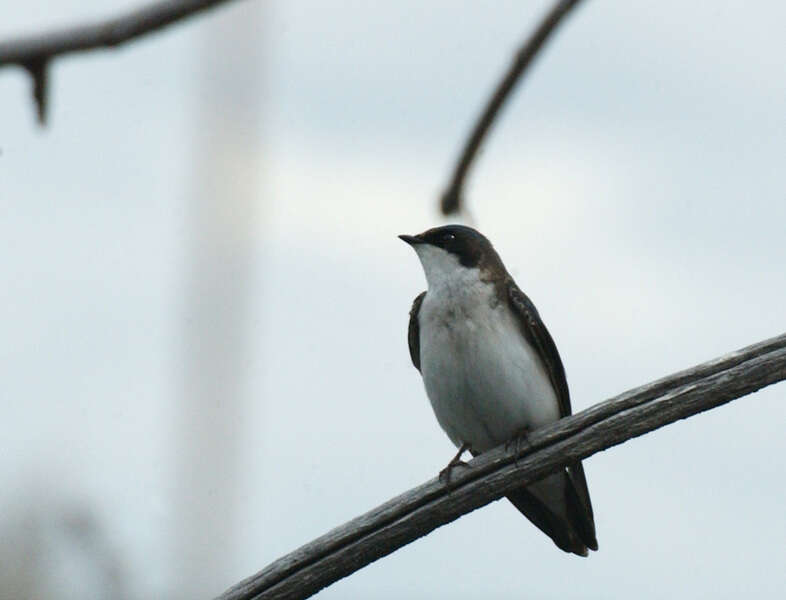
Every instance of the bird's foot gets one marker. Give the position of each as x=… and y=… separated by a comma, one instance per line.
x=519, y=440
x=446, y=474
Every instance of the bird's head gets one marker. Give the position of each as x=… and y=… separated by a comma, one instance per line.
x=452, y=252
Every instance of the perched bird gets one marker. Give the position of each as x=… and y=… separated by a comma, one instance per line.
x=492, y=371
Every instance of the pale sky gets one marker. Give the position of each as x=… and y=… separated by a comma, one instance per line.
x=634, y=187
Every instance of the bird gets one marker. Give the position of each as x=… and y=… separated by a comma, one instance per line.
x=492, y=372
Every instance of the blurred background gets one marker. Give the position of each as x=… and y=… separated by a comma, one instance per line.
x=203, y=359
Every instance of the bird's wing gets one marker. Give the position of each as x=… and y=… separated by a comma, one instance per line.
x=413, y=335
x=540, y=339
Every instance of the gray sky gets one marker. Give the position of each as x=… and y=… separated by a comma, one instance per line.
x=634, y=188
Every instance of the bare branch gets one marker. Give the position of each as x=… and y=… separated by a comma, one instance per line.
x=452, y=198
x=419, y=511
x=104, y=34
x=35, y=52
x=38, y=70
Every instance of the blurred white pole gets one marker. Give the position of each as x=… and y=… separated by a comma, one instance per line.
x=225, y=199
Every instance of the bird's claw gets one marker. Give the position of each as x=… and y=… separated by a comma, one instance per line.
x=445, y=475
x=521, y=438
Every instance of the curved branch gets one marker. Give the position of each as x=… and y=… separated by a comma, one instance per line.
x=451, y=199
x=419, y=511
x=35, y=52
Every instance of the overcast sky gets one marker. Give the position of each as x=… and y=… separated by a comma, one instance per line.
x=635, y=187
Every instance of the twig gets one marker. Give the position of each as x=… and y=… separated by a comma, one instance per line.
x=35, y=52
x=421, y=510
x=452, y=198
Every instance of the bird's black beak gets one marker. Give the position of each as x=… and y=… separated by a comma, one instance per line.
x=411, y=239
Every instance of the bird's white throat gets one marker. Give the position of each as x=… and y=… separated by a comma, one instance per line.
x=444, y=272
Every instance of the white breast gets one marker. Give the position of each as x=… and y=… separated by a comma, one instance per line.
x=483, y=379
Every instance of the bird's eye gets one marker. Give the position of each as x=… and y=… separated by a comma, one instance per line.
x=448, y=237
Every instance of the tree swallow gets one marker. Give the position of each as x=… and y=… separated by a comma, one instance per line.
x=492, y=371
